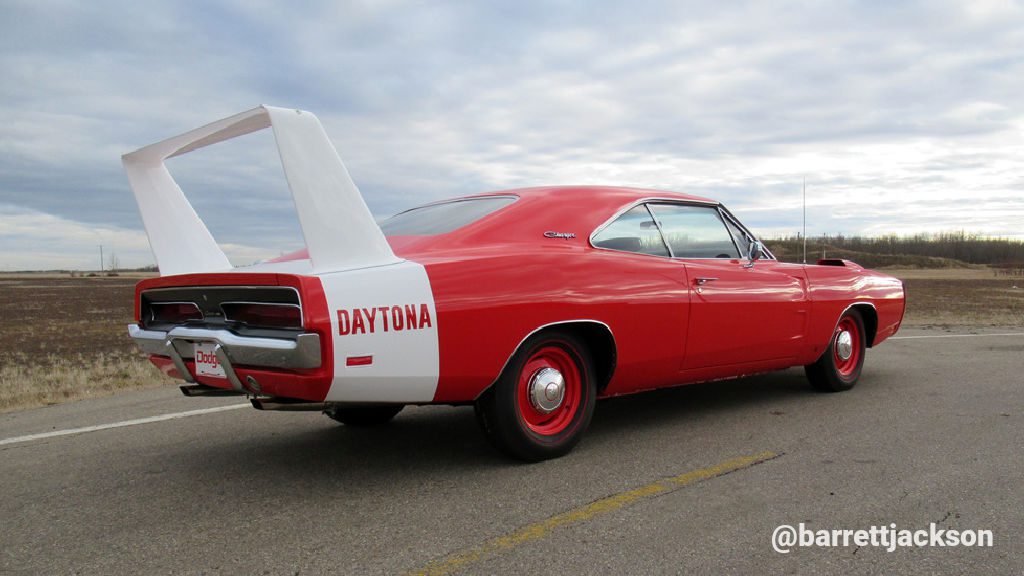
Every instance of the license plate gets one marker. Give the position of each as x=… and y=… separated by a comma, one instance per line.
x=206, y=361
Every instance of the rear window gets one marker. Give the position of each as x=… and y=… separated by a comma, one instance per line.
x=444, y=217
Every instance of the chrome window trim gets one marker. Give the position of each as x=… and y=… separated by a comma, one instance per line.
x=672, y=252
x=726, y=221
x=634, y=204
x=656, y=199
x=661, y=231
x=745, y=230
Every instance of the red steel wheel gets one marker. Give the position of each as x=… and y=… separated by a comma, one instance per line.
x=839, y=367
x=846, y=347
x=544, y=399
x=549, y=390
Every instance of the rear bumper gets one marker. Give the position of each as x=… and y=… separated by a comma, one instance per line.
x=302, y=353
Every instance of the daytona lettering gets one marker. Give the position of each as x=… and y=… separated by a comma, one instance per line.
x=384, y=318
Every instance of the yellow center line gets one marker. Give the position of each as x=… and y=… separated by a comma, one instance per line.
x=537, y=530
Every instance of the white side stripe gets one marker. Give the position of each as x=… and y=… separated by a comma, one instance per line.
x=136, y=422
x=953, y=336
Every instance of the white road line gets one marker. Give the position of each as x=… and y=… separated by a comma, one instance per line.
x=953, y=336
x=176, y=415
x=136, y=422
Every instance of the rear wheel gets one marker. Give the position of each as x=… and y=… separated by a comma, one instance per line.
x=839, y=367
x=363, y=415
x=542, y=403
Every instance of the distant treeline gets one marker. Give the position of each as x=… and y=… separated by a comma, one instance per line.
x=944, y=249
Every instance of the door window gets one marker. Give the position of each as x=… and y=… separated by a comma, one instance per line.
x=694, y=231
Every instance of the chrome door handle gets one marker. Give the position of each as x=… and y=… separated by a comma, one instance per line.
x=702, y=280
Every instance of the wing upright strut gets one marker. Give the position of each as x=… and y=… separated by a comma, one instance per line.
x=338, y=228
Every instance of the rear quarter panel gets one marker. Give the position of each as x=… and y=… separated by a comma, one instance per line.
x=834, y=288
x=487, y=305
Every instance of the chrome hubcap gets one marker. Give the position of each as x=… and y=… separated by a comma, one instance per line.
x=844, y=345
x=547, y=390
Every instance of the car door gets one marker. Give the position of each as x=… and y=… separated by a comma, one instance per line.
x=740, y=311
x=649, y=304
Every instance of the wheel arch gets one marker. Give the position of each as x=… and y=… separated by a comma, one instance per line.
x=870, y=317
x=597, y=336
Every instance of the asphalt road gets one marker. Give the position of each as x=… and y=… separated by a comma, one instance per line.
x=934, y=432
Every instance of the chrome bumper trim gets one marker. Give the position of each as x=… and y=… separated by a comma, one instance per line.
x=179, y=362
x=229, y=370
x=302, y=352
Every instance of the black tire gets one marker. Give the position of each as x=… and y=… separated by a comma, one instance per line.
x=831, y=372
x=526, y=433
x=363, y=415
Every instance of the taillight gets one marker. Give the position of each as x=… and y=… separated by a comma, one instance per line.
x=261, y=315
x=174, y=312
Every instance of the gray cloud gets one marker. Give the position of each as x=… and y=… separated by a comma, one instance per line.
x=902, y=116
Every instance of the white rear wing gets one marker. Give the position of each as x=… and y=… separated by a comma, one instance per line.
x=338, y=228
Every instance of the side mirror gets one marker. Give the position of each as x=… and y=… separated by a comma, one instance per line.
x=755, y=253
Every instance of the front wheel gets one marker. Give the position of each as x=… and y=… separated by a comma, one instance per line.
x=543, y=401
x=839, y=367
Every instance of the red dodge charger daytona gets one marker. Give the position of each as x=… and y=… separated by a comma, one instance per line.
x=528, y=304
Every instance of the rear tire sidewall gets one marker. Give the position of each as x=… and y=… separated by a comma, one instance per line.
x=500, y=416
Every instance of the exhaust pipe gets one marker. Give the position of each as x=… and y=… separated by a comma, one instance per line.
x=196, y=390
x=287, y=405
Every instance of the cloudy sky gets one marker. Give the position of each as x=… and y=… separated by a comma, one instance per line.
x=902, y=117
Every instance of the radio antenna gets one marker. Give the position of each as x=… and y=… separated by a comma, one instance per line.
x=805, y=220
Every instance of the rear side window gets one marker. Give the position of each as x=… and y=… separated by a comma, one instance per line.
x=444, y=217
x=695, y=231
x=634, y=231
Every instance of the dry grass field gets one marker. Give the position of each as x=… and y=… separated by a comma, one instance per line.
x=64, y=338
x=961, y=297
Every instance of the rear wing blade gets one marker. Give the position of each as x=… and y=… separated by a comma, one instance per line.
x=338, y=228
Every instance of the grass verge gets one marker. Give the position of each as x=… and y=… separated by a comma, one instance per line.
x=26, y=382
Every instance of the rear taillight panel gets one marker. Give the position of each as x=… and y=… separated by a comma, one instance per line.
x=174, y=312
x=263, y=314
x=282, y=300
x=242, y=309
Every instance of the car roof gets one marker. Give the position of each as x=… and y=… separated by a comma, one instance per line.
x=577, y=209
x=613, y=194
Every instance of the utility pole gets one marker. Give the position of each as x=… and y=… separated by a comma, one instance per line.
x=101, y=257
